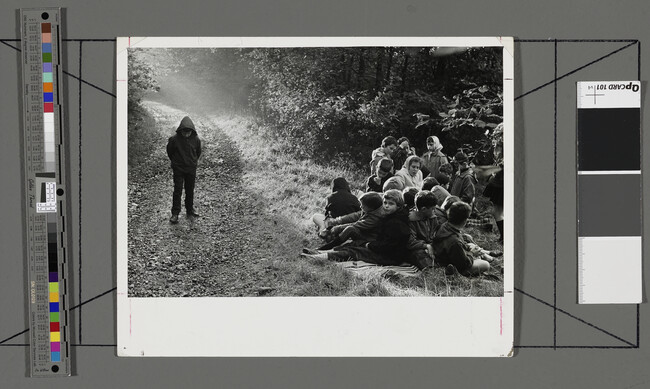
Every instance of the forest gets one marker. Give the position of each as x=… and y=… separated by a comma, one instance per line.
x=277, y=125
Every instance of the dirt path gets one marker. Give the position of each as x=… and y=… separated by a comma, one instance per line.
x=225, y=251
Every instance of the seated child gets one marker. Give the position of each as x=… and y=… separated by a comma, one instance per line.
x=411, y=173
x=409, y=197
x=429, y=183
x=440, y=192
x=384, y=170
x=388, y=147
x=446, y=171
x=394, y=182
x=392, y=238
x=424, y=224
x=443, y=179
x=449, y=247
x=463, y=184
x=477, y=250
x=340, y=202
x=360, y=226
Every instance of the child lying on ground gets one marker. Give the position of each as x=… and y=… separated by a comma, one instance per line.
x=358, y=226
x=392, y=238
x=423, y=224
x=450, y=248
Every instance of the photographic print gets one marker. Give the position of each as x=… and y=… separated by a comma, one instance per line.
x=361, y=174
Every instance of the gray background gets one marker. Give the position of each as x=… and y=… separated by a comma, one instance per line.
x=571, y=346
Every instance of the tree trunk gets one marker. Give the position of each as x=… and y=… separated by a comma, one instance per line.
x=389, y=65
x=348, y=71
x=405, y=70
x=379, y=68
x=362, y=69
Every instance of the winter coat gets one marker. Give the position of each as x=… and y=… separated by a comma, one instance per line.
x=409, y=180
x=388, y=249
x=184, y=152
x=392, y=240
x=341, y=201
x=441, y=215
x=463, y=186
x=423, y=230
x=431, y=161
x=440, y=193
x=450, y=248
x=366, y=223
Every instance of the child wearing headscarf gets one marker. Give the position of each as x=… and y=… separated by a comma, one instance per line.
x=411, y=173
x=432, y=159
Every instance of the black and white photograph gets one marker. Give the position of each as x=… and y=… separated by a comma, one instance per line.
x=326, y=171
x=289, y=170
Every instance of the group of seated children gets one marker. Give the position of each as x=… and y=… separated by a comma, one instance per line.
x=394, y=165
x=404, y=226
x=415, y=214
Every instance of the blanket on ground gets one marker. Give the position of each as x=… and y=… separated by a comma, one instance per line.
x=362, y=268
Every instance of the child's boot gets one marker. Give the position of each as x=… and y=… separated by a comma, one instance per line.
x=328, y=246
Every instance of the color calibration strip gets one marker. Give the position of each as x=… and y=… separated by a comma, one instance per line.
x=45, y=184
x=609, y=192
x=48, y=96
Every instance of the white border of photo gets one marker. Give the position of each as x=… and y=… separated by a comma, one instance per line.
x=314, y=326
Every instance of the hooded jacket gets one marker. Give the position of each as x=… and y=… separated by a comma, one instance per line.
x=341, y=201
x=450, y=248
x=409, y=180
x=366, y=223
x=184, y=152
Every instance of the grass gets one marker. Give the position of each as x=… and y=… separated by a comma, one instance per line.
x=295, y=189
x=287, y=192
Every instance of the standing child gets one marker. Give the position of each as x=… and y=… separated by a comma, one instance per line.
x=184, y=150
x=434, y=158
x=450, y=248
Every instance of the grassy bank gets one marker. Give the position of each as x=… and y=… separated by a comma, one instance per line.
x=295, y=189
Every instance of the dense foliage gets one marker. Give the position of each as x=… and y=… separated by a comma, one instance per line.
x=141, y=78
x=336, y=104
x=340, y=102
